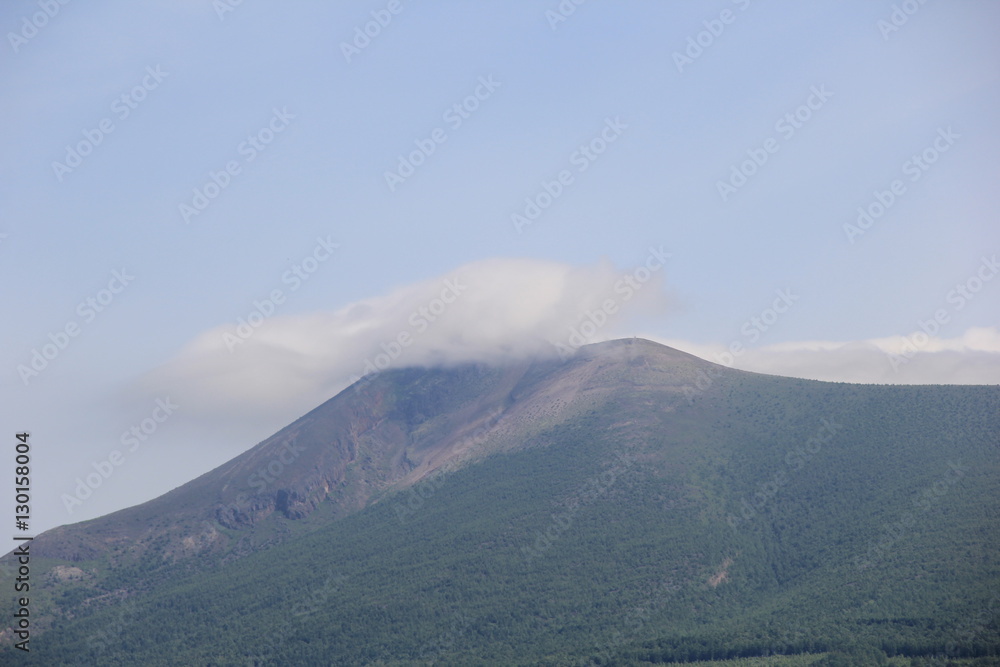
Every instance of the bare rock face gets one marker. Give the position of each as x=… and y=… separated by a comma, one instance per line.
x=387, y=431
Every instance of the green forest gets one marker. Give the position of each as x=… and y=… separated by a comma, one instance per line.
x=832, y=524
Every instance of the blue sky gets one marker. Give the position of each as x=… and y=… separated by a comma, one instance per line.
x=618, y=120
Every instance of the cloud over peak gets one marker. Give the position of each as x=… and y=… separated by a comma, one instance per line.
x=270, y=369
x=491, y=310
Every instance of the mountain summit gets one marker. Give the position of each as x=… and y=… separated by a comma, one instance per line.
x=385, y=433
x=632, y=504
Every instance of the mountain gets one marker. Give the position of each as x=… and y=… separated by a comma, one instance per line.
x=629, y=505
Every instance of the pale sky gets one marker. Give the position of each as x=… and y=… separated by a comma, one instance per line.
x=811, y=184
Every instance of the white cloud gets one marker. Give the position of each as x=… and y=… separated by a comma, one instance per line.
x=972, y=358
x=499, y=309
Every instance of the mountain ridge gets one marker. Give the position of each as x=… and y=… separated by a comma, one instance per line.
x=285, y=475
x=726, y=513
